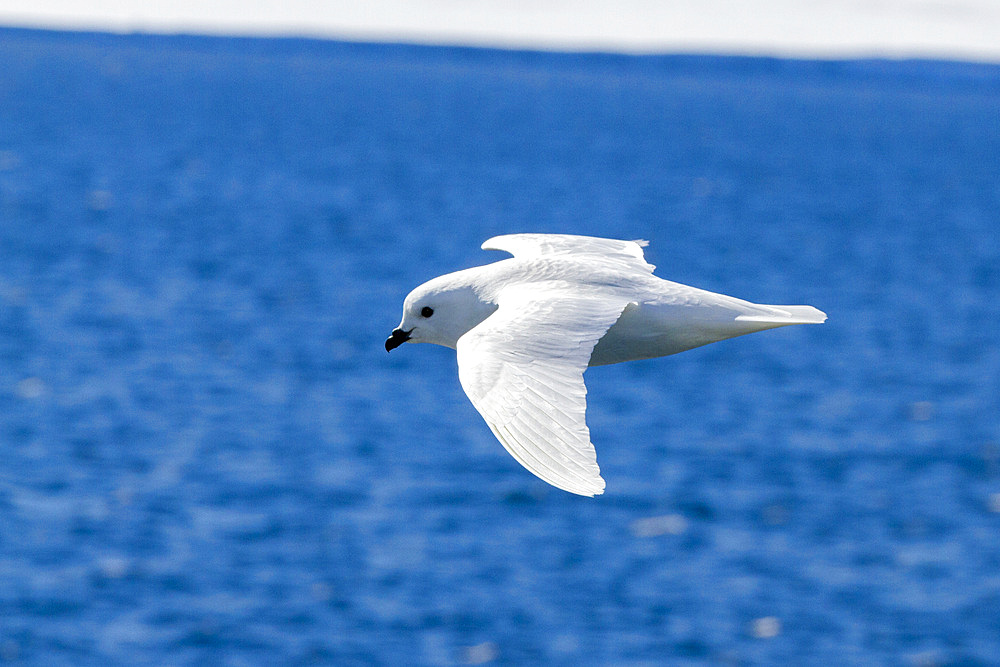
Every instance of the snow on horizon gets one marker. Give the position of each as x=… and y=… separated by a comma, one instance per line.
x=952, y=29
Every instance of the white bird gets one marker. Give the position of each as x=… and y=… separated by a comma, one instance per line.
x=526, y=328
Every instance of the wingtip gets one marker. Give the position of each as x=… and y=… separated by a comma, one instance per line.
x=589, y=489
x=598, y=489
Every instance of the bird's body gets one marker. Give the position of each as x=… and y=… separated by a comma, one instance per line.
x=526, y=328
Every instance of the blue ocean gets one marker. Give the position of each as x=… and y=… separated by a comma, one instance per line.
x=208, y=458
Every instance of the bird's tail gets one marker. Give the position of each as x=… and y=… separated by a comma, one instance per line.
x=780, y=315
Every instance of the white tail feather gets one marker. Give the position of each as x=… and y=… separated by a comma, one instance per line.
x=788, y=315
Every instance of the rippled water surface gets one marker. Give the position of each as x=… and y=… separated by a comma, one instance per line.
x=208, y=457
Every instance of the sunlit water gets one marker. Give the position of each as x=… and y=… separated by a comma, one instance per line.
x=208, y=457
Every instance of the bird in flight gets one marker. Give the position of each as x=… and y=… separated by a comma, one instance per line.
x=526, y=328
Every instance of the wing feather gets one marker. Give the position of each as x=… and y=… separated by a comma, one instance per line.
x=627, y=253
x=522, y=368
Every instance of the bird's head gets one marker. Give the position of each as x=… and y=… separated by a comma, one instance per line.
x=441, y=311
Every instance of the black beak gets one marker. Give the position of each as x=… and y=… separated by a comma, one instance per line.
x=397, y=338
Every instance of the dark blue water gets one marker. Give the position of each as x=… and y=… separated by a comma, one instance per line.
x=208, y=457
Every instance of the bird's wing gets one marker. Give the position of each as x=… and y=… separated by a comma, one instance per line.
x=523, y=368
x=604, y=251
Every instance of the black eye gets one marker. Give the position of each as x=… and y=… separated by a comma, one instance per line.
x=426, y=311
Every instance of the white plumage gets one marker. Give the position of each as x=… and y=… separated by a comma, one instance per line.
x=527, y=328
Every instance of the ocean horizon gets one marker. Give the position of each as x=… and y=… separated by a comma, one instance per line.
x=210, y=458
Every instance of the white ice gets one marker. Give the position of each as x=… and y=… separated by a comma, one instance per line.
x=957, y=29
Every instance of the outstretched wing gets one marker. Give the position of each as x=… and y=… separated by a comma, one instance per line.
x=522, y=368
x=602, y=251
